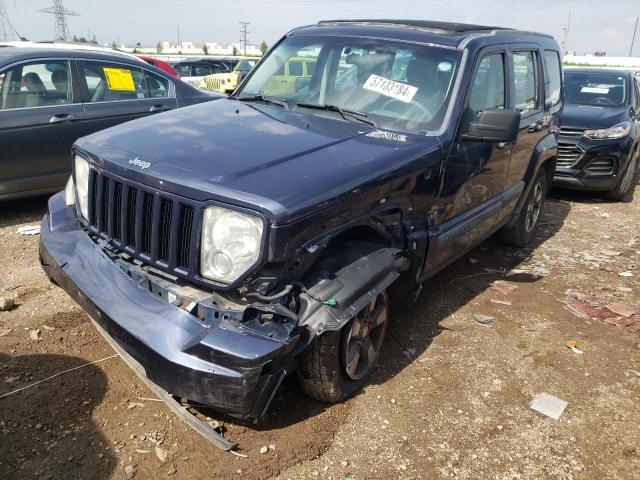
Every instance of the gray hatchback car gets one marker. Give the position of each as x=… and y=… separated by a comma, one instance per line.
x=50, y=97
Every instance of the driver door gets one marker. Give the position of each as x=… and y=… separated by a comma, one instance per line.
x=475, y=172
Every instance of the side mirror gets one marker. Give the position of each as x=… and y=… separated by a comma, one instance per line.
x=494, y=126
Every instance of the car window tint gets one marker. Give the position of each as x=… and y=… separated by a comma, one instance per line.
x=113, y=82
x=183, y=70
x=158, y=86
x=295, y=69
x=553, y=78
x=487, y=90
x=202, y=70
x=36, y=85
x=526, y=81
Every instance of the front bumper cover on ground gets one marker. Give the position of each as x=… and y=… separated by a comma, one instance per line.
x=233, y=369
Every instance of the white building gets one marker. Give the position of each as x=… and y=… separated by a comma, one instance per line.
x=196, y=48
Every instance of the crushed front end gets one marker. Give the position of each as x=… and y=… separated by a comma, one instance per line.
x=129, y=265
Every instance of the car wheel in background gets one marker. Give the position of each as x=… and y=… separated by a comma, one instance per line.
x=522, y=232
x=628, y=180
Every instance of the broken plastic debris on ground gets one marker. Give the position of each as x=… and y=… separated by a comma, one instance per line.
x=506, y=288
x=590, y=306
x=548, y=405
x=29, y=230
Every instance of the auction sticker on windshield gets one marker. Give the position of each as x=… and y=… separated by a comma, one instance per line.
x=119, y=79
x=384, y=86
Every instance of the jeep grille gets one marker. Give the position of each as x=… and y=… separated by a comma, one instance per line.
x=155, y=227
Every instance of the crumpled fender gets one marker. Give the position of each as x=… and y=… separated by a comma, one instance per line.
x=351, y=274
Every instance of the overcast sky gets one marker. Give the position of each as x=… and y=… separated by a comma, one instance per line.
x=595, y=24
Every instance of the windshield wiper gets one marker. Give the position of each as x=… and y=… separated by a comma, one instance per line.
x=261, y=98
x=360, y=116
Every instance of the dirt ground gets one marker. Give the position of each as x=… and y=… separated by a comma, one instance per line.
x=449, y=399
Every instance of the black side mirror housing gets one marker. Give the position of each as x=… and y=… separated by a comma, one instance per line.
x=494, y=126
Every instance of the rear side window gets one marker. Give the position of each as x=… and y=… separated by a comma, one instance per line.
x=526, y=81
x=488, y=86
x=553, y=78
x=183, y=70
x=158, y=86
x=202, y=70
x=295, y=69
x=108, y=82
x=36, y=85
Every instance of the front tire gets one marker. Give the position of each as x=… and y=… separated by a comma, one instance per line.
x=627, y=184
x=336, y=364
x=523, y=231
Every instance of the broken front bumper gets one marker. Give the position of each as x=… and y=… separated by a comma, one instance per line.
x=231, y=366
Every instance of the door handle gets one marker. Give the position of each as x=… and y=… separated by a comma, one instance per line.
x=62, y=118
x=159, y=108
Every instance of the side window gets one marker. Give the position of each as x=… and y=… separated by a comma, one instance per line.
x=552, y=78
x=183, y=70
x=526, y=81
x=202, y=70
x=36, y=85
x=488, y=86
x=158, y=86
x=113, y=82
x=295, y=69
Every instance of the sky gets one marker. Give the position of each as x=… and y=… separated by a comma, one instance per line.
x=596, y=25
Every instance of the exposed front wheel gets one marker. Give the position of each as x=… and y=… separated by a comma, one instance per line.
x=628, y=181
x=337, y=364
x=522, y=232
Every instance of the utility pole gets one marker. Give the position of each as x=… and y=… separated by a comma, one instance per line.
x=61, y=14
x=565, y=41
x=243, y=37
x=633, y=40
x=5, y=27
x=178, y=27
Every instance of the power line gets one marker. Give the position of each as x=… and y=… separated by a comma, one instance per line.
x=565, y=41
x=5, y=29
x=633, y=40
x=243, y=37
x=61, y=14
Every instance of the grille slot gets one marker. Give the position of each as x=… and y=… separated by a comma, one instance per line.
x=117, y=211
x=568, y=155
x=166, y=212
x=601, y=166
x=147, y=222
x=571, y=132
x=132, y=203
x=152, y=226
x=186, y=227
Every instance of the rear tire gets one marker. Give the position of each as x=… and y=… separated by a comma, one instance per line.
x=337, y=364
x=523, y=231
x=627, y=184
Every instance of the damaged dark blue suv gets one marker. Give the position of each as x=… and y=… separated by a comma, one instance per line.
x=224, y=246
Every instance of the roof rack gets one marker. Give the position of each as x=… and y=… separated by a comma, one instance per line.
x=433, y=26
x=422, y=24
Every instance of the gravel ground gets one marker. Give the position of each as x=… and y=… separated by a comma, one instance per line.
x=449, y=399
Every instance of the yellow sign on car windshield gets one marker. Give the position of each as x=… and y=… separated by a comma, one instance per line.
x=119, y=79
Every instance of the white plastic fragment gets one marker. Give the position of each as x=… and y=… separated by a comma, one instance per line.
x=29, y=230
x=548, y=405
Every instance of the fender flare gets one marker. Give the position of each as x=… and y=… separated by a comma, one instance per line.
x=350, y=275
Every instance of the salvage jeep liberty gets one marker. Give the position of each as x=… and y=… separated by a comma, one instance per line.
x=227, y=245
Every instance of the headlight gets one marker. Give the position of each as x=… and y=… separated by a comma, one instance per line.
x=222, y=81
x=81, y=171
x=230, y=244
x=70, y=192
x=617, y=131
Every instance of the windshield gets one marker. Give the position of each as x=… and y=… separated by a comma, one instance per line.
x=394, y=84
x=597, y=89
